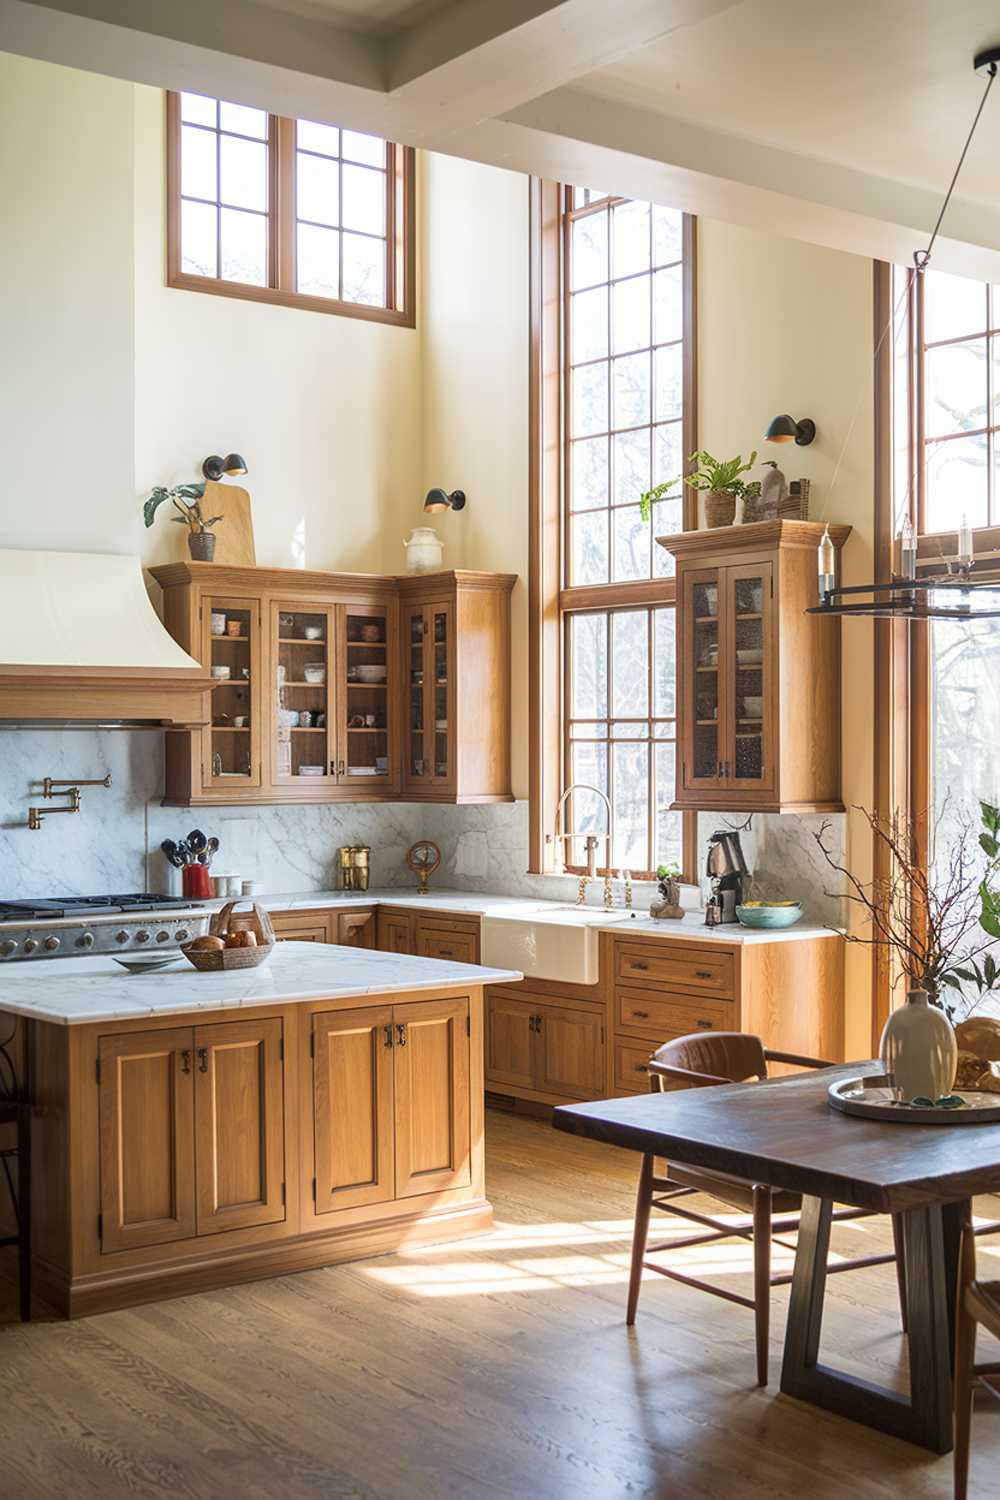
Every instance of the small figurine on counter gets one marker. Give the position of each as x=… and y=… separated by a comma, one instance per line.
x=668, y=878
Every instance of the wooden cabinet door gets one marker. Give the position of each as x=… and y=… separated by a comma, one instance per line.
x=300, y=927
x=749, y=692
x=395, y=934
x=146, y=1138
x=355, y=929
x=702, y=681
x=232, y=746
x=510, y=1036
x=353, y=1107
x=569, y=1052
x=433, y=1139
x=367, y=757
x=436, y=942
x=240, y=1125
x=302, y=712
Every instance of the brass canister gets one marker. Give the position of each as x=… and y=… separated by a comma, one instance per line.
x=361, y=867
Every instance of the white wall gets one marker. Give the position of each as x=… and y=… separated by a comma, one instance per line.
x=326, y=410
x=474, y=308
x=66, y=308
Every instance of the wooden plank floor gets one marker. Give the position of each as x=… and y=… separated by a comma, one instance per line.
x=490, y=1369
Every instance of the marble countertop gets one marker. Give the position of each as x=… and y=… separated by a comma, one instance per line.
x=77, y=991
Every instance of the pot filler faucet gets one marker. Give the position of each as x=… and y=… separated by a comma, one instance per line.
x=591, y=841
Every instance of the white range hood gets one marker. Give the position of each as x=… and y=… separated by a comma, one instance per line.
x=80, y=642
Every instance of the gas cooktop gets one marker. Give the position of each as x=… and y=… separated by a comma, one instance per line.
x=79, y=906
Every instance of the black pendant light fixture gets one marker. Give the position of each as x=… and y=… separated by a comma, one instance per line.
x=785, y=429
x=438, y=499
x=951, y=592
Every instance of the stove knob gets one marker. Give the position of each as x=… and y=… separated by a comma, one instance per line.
x=182, y=934
x=7, y=947
x=51, y=944
x=85, y=940
x=30, y=944
x=163, y=936
x=121, y=936
x=142, y=936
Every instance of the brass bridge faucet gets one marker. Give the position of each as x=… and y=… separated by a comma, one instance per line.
x=72, y=787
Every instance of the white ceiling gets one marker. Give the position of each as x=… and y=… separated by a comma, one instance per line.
x=838, y=121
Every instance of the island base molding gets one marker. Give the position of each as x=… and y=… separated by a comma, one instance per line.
x=106, y=1291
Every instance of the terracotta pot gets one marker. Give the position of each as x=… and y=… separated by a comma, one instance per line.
x=918, y=1050
x=720, y=508
x=201, y=545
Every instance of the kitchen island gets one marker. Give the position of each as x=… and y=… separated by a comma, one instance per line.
x=192, y=1130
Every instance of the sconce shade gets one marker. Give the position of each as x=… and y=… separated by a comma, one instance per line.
x=233, y=464
x=785, y=429
x=438, y=499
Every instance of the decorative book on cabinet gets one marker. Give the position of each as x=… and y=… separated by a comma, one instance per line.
x=342, y=687
x=759, y=679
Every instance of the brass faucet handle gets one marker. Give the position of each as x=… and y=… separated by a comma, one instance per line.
x=74, y=783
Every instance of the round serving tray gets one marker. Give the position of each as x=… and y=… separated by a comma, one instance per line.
x=872, y=1098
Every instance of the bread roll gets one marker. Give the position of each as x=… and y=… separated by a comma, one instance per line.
x=209, y=941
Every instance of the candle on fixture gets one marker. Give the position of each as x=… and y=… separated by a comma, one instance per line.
x=965, y=552
x=826, y=560
x=908, y=549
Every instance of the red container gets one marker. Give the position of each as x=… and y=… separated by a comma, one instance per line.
x=195, y=883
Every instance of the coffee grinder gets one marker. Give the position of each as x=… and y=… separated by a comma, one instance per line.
x=730, y=879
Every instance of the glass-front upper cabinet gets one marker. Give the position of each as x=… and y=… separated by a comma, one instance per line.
x=232, y=749
x=302, y=693
x=704, y=760
x=366, y=695
x=748, y=672
x=429, y=653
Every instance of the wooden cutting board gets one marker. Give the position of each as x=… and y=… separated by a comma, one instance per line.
x=234, y=532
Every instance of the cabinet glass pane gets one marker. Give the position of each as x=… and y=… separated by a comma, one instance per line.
x=302, y=734
x=705, y=637
x=367, y=693
x=748, y=678
x=442, y=729
x=415, y=726
x=230, y=636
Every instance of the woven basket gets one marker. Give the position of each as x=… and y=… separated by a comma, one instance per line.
x=213, y=960
x=720, y=508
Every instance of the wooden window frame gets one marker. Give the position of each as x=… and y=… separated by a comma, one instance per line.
x=400, y=237
x=550, y=600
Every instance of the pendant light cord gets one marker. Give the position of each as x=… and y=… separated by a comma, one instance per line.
x=920, y=262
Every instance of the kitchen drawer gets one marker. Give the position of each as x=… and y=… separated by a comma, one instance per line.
x=656, y=1014
x=631, y=1064
x=658, y=963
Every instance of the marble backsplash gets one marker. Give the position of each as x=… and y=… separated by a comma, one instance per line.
x=113, y=843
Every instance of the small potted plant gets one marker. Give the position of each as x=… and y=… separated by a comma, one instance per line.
x=668, y=882
x=186, y=500
x=721, y=481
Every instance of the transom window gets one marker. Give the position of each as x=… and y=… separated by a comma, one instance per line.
x=289, y=211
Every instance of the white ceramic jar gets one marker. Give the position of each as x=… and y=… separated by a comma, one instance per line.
x=918, y=1050
x=424, y=550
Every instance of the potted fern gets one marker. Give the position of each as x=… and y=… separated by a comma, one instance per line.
x=720, y=479
x=186, y=500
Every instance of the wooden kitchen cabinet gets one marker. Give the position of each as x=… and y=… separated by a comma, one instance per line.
x=382, y=711
x=191, y=1132
x=544, y=1049
x=758, y=677
x=391, y=1102
x=436, y=935
x=354, y=929
x=395, y=932
x=301, y=926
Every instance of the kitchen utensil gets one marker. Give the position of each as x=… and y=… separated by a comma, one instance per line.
x=211, y=847
x=220, y=885
x=212, y=960
x=727, y=870
x=314, y=671
x=220, y=673
x=285, y=623
x=370, y=721
x=753, y=707
x=218, y=624
x=240, y=721
x=234, y=627
x=196, y=841
x=356, y=721
x=371, y=634
x=313, y=632
x=234, y=885
x=145, y=963
x=245, y=673
x=196, y=885
x=371, y=673
x=769, y=914
x=169, y=848
x=249, y=887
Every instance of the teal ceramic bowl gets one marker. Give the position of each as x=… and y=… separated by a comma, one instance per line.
x=785, y=915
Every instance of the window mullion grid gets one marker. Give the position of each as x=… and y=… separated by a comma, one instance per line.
x=609, y=768
x=611, y=408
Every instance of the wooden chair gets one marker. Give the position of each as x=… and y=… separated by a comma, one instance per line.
x=978, y=1302
x=704, y=1060
x=15, y=1110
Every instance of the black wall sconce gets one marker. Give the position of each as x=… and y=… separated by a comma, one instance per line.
x=441, y=500
x=215, y=467
x=785, y=429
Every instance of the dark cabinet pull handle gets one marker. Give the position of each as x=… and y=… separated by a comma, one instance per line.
x=400, y=1034
x=705, y=1025
x=641, y=1015
x=203, y=1059
x=387, y=1036
x=637, y=965
x=702, y=974
x=538, y=1023
x=641, y=1068
x=186, y=1060
x=333, y=768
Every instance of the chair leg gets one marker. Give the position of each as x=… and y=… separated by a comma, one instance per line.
x=965, y=1353
x=643, y=1200
x=897, y=1245
x=762, y=1276
x=24, y=1211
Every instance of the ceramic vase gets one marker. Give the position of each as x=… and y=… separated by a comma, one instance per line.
x=918, y=1050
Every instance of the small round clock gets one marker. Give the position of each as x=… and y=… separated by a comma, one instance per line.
x=423, y=859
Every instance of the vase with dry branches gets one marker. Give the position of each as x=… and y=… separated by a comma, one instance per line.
x=936, y=916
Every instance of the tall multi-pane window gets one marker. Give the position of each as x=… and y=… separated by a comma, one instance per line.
x=290, y=211
x=628, y=424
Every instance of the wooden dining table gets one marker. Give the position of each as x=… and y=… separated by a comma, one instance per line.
x=784, y=1132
